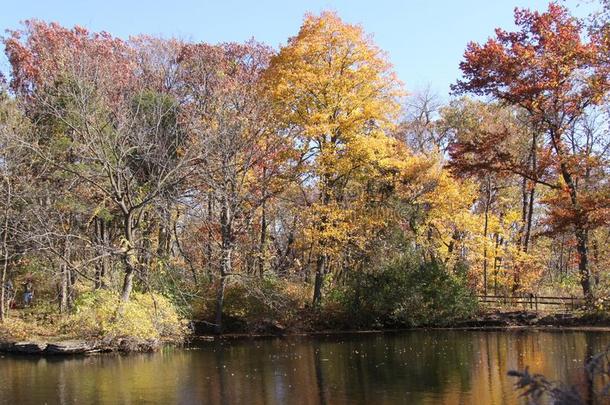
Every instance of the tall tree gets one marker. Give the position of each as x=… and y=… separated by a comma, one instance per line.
x=14, y=184
x=495, y=145
x=549, y=70
x=231, y=119
x=333, y=86
x=120, y=129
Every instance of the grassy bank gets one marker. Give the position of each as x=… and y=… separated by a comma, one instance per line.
x=98, y=318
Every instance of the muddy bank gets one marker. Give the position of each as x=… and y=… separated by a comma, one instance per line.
x=37, y=347
x=493, y=320
x=77, y=347
x=536, y=319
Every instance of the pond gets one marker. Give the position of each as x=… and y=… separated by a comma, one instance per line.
x=416, y=367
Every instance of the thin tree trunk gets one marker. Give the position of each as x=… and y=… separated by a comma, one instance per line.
x=225, y=260
x=530, y=207
x=209, y=236
x=3, y=306
x=580, y=232
x=129, y=258
x=67, y=272
x=145, y=258
x=5, y=252
x=524, y=206
x=282, y=263
x=262, y=260
x=98, y=266
x=596, y=272
x=566, y=267
x=263, y=239
x=220, y=296
x=528, y=226
x=322, y=260
x=319, y=280
x=183, y=253
x=562, y=248
x=497, y=263
x=165, y=235
x=582, y=239
x=64, y=280
x=102, y=241
x=128, y=279
x=485, y=227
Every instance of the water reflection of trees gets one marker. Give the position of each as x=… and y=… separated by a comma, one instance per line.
x=424, y=367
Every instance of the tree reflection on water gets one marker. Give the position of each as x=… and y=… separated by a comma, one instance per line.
x=419, y=367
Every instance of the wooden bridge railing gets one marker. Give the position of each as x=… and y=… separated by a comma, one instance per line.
x=532, y=301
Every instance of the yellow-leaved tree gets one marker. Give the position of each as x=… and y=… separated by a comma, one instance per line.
x=336, y=92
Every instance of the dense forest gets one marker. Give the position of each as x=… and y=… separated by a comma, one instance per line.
x=150, y=180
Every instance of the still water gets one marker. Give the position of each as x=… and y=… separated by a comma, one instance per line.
x=418, y=367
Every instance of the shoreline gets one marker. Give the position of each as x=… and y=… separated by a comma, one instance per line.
x=338, y=332
x=75, y=346
x=517, y=321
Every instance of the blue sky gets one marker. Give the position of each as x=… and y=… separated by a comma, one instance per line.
x=424, y=39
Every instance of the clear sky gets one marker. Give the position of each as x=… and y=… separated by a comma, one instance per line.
x=425, y=39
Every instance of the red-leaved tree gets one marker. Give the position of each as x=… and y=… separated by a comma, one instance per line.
x=551, y=71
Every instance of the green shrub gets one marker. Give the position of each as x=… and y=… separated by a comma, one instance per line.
x=406, y=292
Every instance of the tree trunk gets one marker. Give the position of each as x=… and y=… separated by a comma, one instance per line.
x=319, y=280
x=220, y=296
x=101, y=267
x=524, y=206
x=165, y=234
x=145, y=256
x=497, y=263
x=485, y=228
x=321, y=262
x=64, y=281
x=530, y=200
x=5, y=250
x=528, y=225
x=582, y=239
x=579, y=229
x=127, y=280
x=283, y=261
x=596, y=275
x=65, y=277
x=129, y=257
x=263, y=240
x=225, y=260
x=209, y=236
x=3, y=287
x=4, y=269
x=263, y=237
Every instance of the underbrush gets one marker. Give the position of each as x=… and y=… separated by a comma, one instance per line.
x=144, y=321
x=38, y=322
x=401, y=293
x=14, y=329
x=404, y=293
x=257, y=304
x=98, y=317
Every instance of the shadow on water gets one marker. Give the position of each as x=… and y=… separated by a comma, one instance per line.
x=419, y=367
